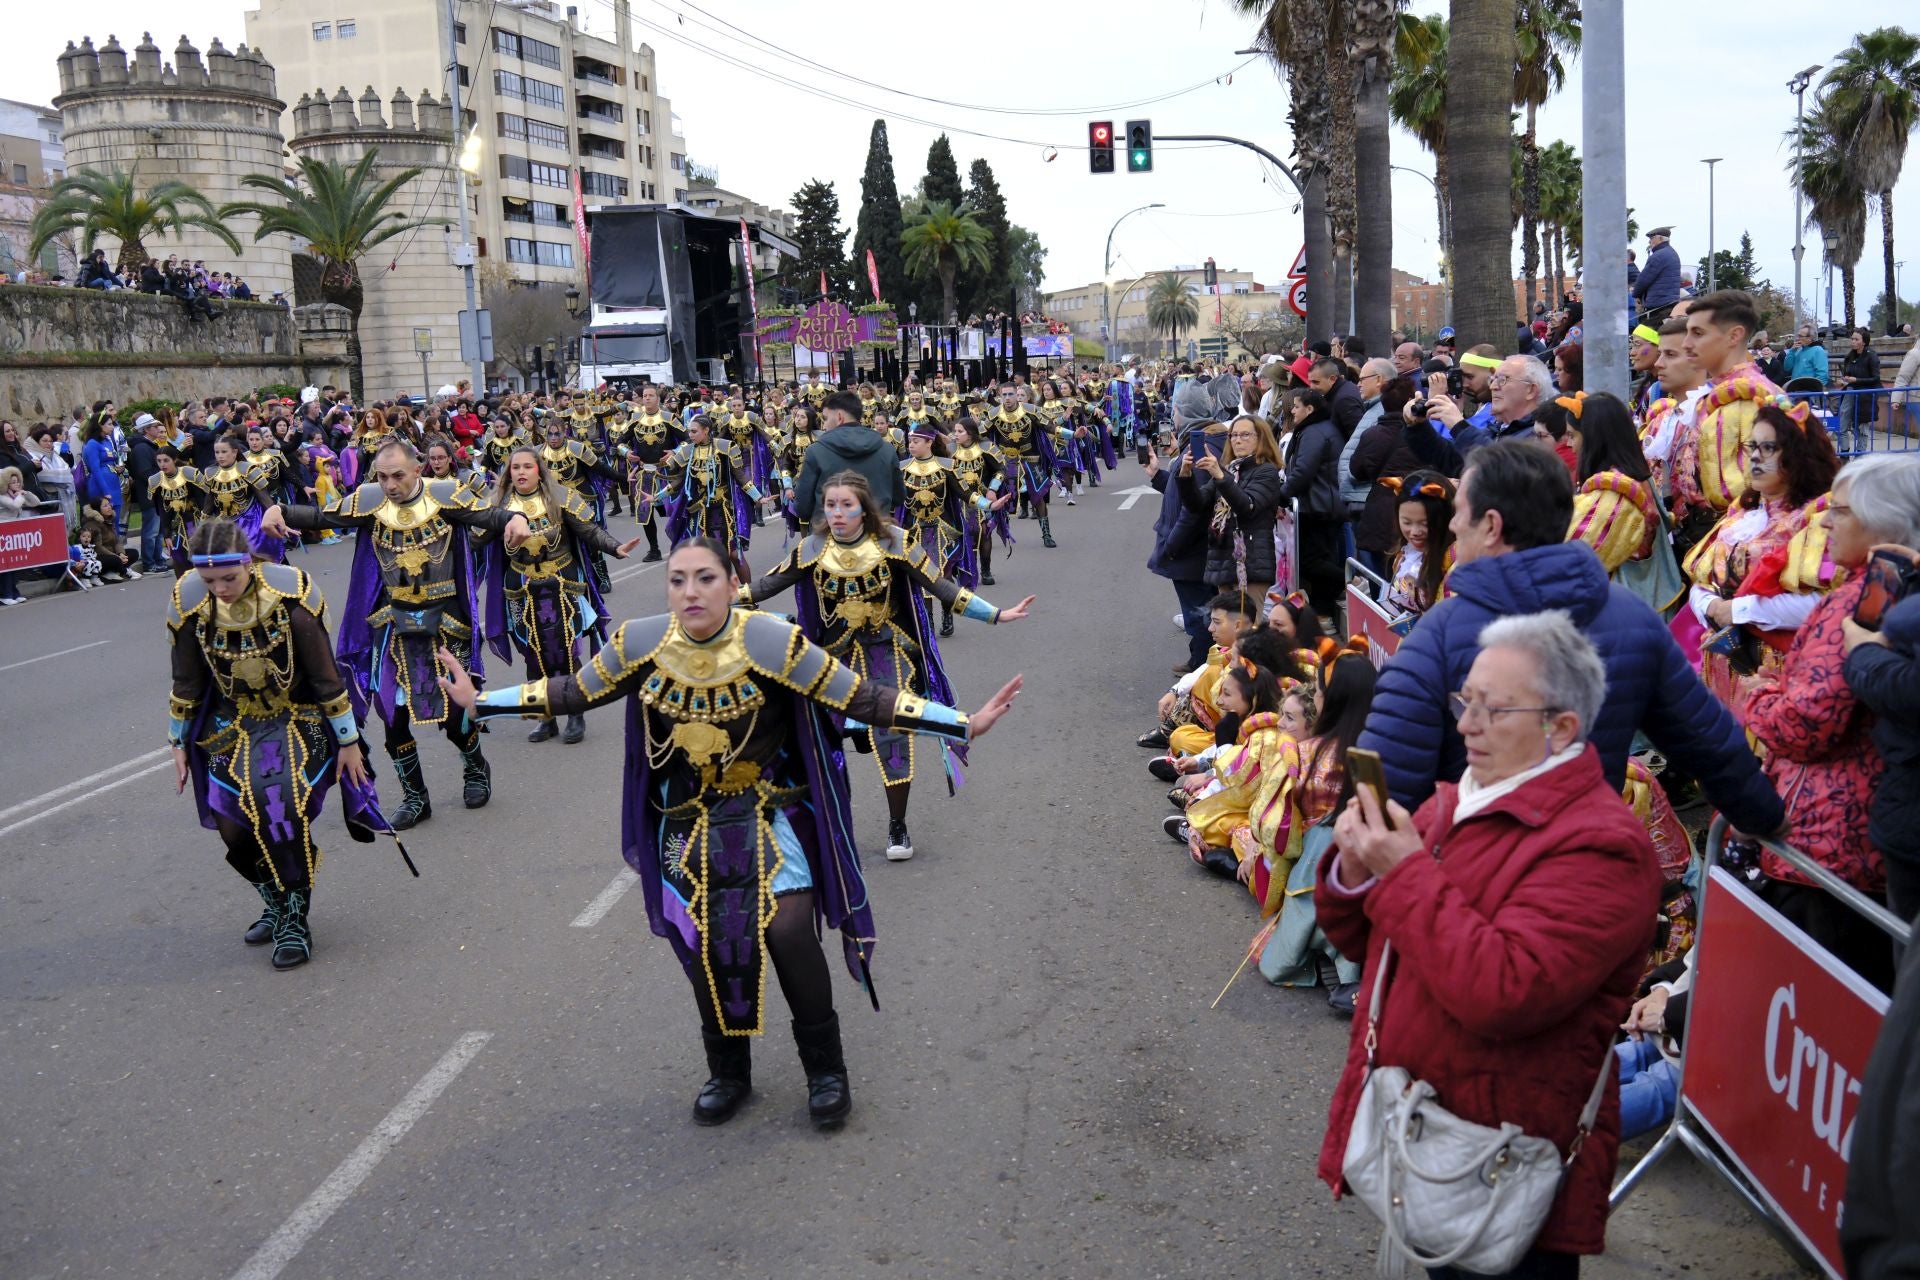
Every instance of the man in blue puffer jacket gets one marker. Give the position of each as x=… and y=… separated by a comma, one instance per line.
x=1511, y=514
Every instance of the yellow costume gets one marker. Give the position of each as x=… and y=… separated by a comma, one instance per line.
x=1616, y=516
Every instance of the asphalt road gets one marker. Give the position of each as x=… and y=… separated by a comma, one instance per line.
x=488, y=1071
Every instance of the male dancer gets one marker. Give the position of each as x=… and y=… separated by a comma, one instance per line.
x=650, y=436
x=412, y=592
x=1023, y=439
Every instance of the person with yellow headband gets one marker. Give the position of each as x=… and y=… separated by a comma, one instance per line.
x=1643, y=347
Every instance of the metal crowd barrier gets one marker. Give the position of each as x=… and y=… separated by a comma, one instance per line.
x=1888, y=418
x=1773, y=1021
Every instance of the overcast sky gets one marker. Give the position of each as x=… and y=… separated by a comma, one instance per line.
x=1696, y=87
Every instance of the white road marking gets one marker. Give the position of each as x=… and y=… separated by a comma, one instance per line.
x=624, y=574
x=1134, y=495
x=57, y=654
x=12, y=827
x=81, y=784
x=285, y=1244
x=597, y=909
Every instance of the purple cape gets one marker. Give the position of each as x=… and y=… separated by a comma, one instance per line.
x=356, y=644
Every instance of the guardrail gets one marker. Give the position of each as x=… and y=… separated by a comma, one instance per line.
x=1873, y=420
x=1777, y=1039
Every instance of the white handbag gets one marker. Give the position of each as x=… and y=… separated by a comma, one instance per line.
x=1449, y=1193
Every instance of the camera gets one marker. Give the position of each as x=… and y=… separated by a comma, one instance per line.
x=1417, y=408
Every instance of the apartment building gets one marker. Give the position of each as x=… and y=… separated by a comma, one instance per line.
x=549, y=101
x=1083, y=310
x=31, y=161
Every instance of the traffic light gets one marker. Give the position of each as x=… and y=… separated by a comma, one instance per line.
x=1139, y=146
x=1213, y=275
x=1100, y=146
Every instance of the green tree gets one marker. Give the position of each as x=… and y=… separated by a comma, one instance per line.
x=989, y=206
x=341, y=213
x=942, y=183
x=1543, y=31
x=1884, y=319
x=1836, y=202
x=1029, y=258
x=112, y=203
x=880, y=222
x=1481, y=59
x=1560, y=200
x=1170, y=306
x=1873, y=91
x=1731, y=270
x=1417, y=102
x=820, y=238
x=943, y=241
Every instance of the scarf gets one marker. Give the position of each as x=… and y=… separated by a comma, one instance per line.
x=1473, y=797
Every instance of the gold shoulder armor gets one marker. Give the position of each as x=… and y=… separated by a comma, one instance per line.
x=189, y=598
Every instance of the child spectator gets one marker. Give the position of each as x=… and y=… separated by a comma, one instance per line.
x=97, y=526
x=1187, y=711
x=1423, y=553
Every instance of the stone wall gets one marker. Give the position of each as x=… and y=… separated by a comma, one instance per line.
x=63, y=347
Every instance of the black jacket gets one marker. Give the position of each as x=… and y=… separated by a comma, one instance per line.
x=1253, y=504
x=849, y=447
x=1887, y=679
x=1863, y=367
x=1313, y=471
x=141, y=464
x=1348, y=406
x=1180, y=533
x=1879, y=1232
x=1383, y=454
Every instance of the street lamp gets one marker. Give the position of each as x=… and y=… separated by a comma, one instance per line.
x=1106, y=270
x=1446, y=257
x=1798, y=88
x=1710, y=264
x=573, y=301
x=1831, y=243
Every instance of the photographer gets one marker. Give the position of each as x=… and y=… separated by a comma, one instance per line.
x=1883, y=666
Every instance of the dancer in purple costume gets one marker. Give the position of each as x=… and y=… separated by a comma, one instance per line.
x=734, y=810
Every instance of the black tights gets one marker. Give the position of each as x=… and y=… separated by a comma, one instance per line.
x=460, y=729
x=245, y=855
x=986, y=551
x=798, y=962
x=897, y=801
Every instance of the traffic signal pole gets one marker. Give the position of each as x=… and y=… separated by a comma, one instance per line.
x=1254, y=147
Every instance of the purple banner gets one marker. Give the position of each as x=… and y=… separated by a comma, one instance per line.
x=829, y=327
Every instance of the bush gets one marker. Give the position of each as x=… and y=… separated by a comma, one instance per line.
x=277, y=391
x=129, y=412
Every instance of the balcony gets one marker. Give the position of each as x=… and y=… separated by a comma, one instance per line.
x=598, y=147
x=594, y=71
x=589, y=106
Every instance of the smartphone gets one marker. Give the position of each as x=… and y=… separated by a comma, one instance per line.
x=1197, y=443
x=1888, y=579
x=1369, y=772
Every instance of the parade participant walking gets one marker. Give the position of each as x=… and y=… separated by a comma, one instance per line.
x=734, y=813
x=177, y=495
x=803, y=428
x=540, y=595
x=501, y=441
x=261, y=725
x=982, y=476
x=858, y=583
x=412, y=595
x=576, y=467
x=1023, y=438
x=650, y=436
x=752, y=439
x=236, y=491
x=710, y=493
x=932, y=513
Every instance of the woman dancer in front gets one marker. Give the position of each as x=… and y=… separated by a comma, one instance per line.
x=539, y=594
x=985, y=491
x=858, y=582
x=261, y=725
x=236, y=491
x=734, y=814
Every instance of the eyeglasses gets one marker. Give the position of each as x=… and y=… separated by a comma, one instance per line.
x=1766, y=449
x=1498, y=380
x=1465, y=708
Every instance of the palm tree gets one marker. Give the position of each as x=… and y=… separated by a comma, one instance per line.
x=1171, y=306
x=1294, y=35
x=1543, y=30
x=1873, y=89
x=1417, y=102
x=1479, y=94
x=1378, y=38
x=341, y=214
x=1560, y=199
x=942, y=241
x=111, y=203
x=1836, y=202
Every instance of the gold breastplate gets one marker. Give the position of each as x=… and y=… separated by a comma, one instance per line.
x=544, y=554
x=249, y=649
x=651, y=431
x=175, y=494
x=709, y=694
x=926, y=485
x=969, y=468
x=1016, y=431
x=855, y=584
x=412, y=537
x=228, y=488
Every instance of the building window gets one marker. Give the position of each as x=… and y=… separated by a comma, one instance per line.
x=536, y=212
x=459, y=33
x=540, y=175
x=603, y=184
x=347, y=28
x=543, y=134
x=323, y=31
x=646, y=122
x=526, y=48
x=512, y=126
x=677, y=162
x=465, y=82
x=509, y=85
x=539, y=253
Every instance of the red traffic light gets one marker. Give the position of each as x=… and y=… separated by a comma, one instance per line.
x=1102, y=134
x=1100, y=146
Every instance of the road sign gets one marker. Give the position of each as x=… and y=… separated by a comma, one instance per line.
x=1213, y=346
x=1297, y=298
x=1299, y=267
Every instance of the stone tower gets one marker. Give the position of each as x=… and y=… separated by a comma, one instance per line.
x=207, y=124
x=409, y=281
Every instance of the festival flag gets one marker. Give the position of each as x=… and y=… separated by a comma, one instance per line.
x=823, y=282
x=873, y=275
x=753, y=299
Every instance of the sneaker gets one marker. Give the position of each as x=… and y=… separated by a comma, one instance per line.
x=1162, y=767
x=7, y=600
x=111, y=577
x=133, y=572
x=899, y=843
x=1342, y=998
x=1175, y=825
x=1179, y=798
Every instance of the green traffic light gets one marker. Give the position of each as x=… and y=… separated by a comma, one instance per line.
x=1139, y=160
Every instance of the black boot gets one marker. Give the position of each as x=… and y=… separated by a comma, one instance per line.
x=829, y=1096
x=730, y=1064
x=946, y=622
x=260, y=932
x=476, y=776
x=1046, y=533
x=292, y=939
x=576, y=729
x=415, y=807
x=542, y=731
x=601, y=575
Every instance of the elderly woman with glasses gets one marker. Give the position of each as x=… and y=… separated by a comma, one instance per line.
x=1520, y=905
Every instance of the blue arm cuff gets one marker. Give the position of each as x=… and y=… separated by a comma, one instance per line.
x=344, y=728
x=176, y=732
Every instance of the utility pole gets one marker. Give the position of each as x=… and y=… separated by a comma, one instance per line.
x=1798, y=88
x=1603, y=139
x=476, y=366
x=1710, y=262
x=1106, y=277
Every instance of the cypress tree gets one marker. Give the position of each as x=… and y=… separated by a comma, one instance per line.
x=820, y=237
x=988, y=290
x=879, y=225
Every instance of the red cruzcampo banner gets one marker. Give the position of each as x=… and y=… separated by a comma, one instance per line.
x=33, y=542
x=1778, y=1037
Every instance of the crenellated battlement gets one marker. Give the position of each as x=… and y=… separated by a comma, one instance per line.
x=85, y=69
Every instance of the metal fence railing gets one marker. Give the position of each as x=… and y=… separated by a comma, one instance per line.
x=1876, y=420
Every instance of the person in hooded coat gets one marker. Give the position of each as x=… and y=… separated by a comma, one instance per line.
x=1180, y=533
x=846, y=445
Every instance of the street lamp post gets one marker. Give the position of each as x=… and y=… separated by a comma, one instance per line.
x=1710, y=263
x=1106, y=273
x=1446, y=258
x=1798, y=88
x=1831, y=245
